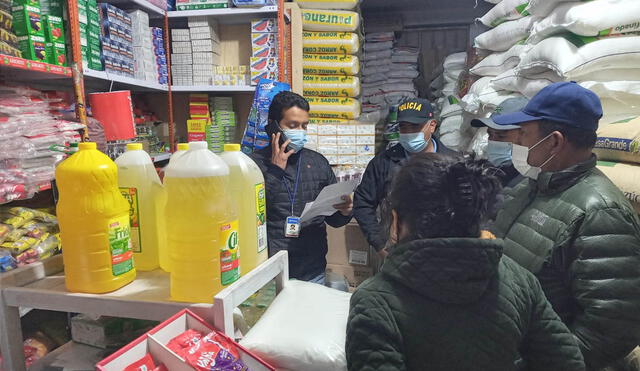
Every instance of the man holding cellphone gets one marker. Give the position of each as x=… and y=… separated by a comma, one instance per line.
x=294, y=176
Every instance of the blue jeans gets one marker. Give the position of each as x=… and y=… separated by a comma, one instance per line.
x=318, y=279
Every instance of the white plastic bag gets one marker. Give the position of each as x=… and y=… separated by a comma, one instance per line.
x=506, y=35
x=506, y=10
x=602, y=17
x=498, y=63
x=304, y=329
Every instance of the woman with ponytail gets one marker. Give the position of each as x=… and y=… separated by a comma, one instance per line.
x=446, y=298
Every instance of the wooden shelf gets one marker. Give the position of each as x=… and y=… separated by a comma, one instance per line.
x=213, y=88
x=227, y=15
x=131, y=83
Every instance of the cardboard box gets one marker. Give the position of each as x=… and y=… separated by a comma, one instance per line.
x=264, y=25
x=58, y=54
x=34, y=48
x=348, y=246
x=264, y=52
x=355, y=275
x=53, y=29
x=27, y=2
x=269, y=40
x=155, y=343
x=27, y=20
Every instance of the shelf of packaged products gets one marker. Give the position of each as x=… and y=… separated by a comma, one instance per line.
x=153, y=10
x=160, y=157
x=35, y=189
x=132, y=83
x=213, y=88
x=228, y=15
x=37, y=71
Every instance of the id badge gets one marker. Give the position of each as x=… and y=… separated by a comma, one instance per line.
x=292, y=227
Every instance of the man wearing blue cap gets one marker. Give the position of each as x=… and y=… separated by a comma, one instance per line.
x=571, y=226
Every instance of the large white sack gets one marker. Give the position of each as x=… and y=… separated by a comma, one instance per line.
x=506, y=10
x=470, y=101
x=303, y=329
x=455, y=132
x=626, y=92
x=456, y=61
x=542, y=8
x=479, y=143
x=569, y=62
x=626, y=177
x=451, y=107
x=449, y=88
x=528, y=86
x=594, y=18
x=506, y=35
x=615, y=109
x=484, y=97
x=452, y=76
x=493, y=1
x=498, y=63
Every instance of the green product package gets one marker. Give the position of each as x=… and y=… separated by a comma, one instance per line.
x=83, y=37
x=93, y=36
x=85, y=53
x=95, y=59
x=82, y=12
x=27, y=2
x=52, y=7
x=27, y=20
x=34, y=48
x=94, y=24
x=58, y=54
x=53, y=28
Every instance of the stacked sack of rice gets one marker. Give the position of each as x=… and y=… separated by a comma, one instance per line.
x=331, y=67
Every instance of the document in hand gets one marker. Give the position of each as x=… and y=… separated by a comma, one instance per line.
x=329, y=196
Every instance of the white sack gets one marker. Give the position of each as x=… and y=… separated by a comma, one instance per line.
x=569, y=62
x=450, y=107
x=542, y=8
x=493, y=1
x=453, y=133
x=456, y=61
x=506, y=35
x=303, y=329
x=525, y=85
x=506, y=10
x=498, y=63
x=594, y=18
x=479, y=143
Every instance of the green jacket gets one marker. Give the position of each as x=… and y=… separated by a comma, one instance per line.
x=455, y=304
x=581, y=237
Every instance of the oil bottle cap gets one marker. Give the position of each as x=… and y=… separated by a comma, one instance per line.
x=232, y=148
x=183, y=146
x=193, y=146
x=134, y=146
x=87, y=145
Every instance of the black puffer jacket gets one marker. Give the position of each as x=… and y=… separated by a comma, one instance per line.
x=375, y=187
x=455, y=304
x=581, y=237
x=307, y=254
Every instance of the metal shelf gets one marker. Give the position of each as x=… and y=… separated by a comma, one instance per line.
x=160, y=157
x=153, y=10
x=32, y=70
x=132, y=83
x=227, y=15
x=213, y=88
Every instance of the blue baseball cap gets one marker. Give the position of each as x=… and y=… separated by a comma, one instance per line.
x=563, y=102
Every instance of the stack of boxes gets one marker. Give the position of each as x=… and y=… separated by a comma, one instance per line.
x=264, y=44
x=231, y=76
x=160, y=55
x=52, y=7
x=117, y=40
x=342, y=142
x=38, y=35
x=201, y=4
x=90, y=34
x=223, y=126
x=144, y=63
x=195, y=52
x=199, y=117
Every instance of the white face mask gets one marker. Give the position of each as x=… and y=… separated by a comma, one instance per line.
x=520, y=159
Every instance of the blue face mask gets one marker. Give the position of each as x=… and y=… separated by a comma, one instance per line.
x=499, y=153
x=413, y=142
x=298, y=138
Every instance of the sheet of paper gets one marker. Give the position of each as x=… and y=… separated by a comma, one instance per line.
x=329, y=196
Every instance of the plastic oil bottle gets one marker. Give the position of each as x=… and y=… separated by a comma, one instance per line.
x=94, y=223
x=182, y=149
x=248, y=193
x=141, y=187
x=202, y=226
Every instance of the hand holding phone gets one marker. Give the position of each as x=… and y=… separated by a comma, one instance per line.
x=279, y=153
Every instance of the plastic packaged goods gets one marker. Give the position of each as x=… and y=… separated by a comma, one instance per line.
x=330, y=42
x=339, y=108
x=330, y=20
x=328, y=4
x=330, y=64
x=94, y=222
x=626, y=177
x=619, y=141
x=202, y=226
x=317, y=311
x=331, y=86
x=248, y=192
x=141, y=187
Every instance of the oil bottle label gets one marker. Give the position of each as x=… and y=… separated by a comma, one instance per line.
x=120, y=245
x=261, y=215
x=131, y=195
x=229, y=253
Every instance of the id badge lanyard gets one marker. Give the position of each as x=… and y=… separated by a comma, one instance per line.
x=292, y=225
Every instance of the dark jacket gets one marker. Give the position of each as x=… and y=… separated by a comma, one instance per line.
x=307, y=254
x=375, y=187
x=509, y=176
x=581, y=237
x=455, y=304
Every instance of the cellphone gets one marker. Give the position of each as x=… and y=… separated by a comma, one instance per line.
x=272, y=129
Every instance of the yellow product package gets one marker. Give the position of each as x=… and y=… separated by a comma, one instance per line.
x=339, y=108
x=330, y=42
x=327, y=4
x=331, y=86
x=330, y=20
x=330, y=64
